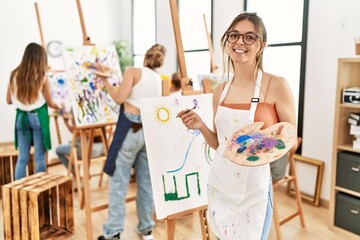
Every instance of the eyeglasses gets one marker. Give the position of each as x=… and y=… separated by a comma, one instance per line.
x=248, y=38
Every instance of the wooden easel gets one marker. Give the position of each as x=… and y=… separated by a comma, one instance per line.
x=39, y=24
x=86, y=38
x=187, y=89
x=207, y=83
x=86, y=138
x=54, y=114
x=86, y=135
x=213, y=66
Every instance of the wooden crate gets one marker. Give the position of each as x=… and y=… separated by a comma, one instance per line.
x=8, y=158
x=11, y=206
x=38, y=207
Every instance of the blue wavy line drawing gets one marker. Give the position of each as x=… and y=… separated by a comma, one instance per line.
x=196, y=133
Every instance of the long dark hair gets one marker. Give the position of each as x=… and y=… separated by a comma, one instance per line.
x=29, y=76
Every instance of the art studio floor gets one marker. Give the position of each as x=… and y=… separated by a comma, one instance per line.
x=188, y=227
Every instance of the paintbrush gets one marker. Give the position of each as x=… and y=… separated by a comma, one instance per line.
x=187, y=111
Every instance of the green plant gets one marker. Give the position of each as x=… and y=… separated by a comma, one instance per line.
x=123, y=49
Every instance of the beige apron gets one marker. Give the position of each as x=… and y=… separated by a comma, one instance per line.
x=237, y=195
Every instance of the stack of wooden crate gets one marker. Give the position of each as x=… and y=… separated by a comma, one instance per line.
x=38, y=207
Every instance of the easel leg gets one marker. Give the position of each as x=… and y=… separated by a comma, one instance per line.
x=204, y=225
x=170, y=228
x=86, y=194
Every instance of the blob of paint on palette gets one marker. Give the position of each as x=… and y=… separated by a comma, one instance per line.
x=251, y=146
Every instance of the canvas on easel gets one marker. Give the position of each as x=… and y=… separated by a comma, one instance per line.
x=90, y=101
x=178, y=157
x=59, y=88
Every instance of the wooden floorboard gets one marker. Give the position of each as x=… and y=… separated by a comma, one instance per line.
x=188, y=228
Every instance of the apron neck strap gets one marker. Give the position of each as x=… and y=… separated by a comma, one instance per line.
x=256, y=97
x=225, y=91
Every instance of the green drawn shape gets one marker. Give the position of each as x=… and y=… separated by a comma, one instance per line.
x=174, y=196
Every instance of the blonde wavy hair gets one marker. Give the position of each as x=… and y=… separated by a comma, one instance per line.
x=155, y=56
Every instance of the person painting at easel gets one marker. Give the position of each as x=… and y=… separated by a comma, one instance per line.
x=63, y=150
x=239, y=197
x=128, y=146
x=29, y=91
x=175, y=89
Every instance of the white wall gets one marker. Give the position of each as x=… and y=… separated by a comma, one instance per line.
x=332, y=28
x=106, y=21
x=331, y=35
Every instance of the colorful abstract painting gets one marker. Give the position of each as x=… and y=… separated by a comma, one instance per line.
x=59, y=87
x=251, y=146
x=90, y=100
x=179, y=158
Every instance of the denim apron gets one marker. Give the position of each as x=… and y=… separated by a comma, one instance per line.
x=237, y=195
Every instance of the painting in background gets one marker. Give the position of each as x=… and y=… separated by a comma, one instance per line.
x=179, y=158
x=90, y=101
x=59, y=87
x=215, y=78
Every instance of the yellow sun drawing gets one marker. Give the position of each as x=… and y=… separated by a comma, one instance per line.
x=162, y=114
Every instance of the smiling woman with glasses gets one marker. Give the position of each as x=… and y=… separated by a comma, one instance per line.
x=249, y=38
x=240, y=197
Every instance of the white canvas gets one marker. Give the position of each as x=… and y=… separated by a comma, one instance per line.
x=90, y=101
x=179, y=158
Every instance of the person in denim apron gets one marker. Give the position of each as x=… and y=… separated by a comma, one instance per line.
x=29, y=92
x=128, y=149
x=240, y=197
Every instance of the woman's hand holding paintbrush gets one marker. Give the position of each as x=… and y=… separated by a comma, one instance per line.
x=191, y=119
x=103, y=72
x=186, y=111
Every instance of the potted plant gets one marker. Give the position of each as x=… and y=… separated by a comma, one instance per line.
x=124, y=54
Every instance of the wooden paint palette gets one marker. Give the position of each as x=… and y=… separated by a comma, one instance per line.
x=250, y=146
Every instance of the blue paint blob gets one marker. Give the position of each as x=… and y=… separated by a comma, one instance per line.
x=241, y=149
x=92, y=86
x=242, y=138
x=61, y=81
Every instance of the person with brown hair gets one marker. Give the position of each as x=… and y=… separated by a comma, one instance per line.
x=175, y=88
x=240, y=197
x=128, y=149
x=29, y=91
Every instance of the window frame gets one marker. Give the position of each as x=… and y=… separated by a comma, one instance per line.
x=135, y=54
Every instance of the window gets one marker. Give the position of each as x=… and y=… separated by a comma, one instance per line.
x=143, y=29
x=194, y=36
x=286, y=25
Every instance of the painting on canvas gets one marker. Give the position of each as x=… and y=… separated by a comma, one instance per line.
x=59, y=88
x=179, y=158
x=91, y=103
